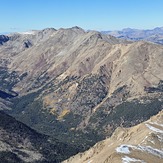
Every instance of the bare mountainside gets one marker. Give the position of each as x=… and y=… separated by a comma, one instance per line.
x=81, y=85
x=141, y=143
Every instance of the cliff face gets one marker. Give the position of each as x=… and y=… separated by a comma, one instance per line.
x=81, y=85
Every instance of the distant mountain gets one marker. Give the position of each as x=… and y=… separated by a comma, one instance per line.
x=78, y=86
x=154, y=35
x=141, y=143
x=19, y=143
x=3, y=39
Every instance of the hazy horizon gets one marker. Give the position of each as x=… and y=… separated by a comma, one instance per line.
x=98, y=15
x=21, y=31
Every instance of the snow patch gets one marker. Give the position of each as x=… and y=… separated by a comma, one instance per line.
x=154, y=129
x=151, y=150
x=155, y=123
x=144, y=139
x=127, y=159
x=90, y=161
x=160, y=138
x=27, y=33
x=123, y=149
x=151, y=141
x=148, y=149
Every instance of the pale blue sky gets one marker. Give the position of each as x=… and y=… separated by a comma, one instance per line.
x=22, y=15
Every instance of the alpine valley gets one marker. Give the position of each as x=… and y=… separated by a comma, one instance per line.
x=62, y=91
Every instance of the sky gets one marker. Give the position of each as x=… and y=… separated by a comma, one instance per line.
x=24, y=15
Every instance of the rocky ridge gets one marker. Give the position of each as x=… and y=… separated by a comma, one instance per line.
x=141, y=143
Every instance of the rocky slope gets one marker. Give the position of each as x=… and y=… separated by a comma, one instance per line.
x=154, y=35
x=141, y=143
x=19, y=143
x=81, y=85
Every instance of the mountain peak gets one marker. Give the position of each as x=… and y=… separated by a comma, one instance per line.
x=49, y=29
x=77, y=27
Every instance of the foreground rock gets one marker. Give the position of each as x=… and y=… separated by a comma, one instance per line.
x=142, y=143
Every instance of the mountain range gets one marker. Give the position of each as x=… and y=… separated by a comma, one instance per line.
x=76, y=87
x=152, y=35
